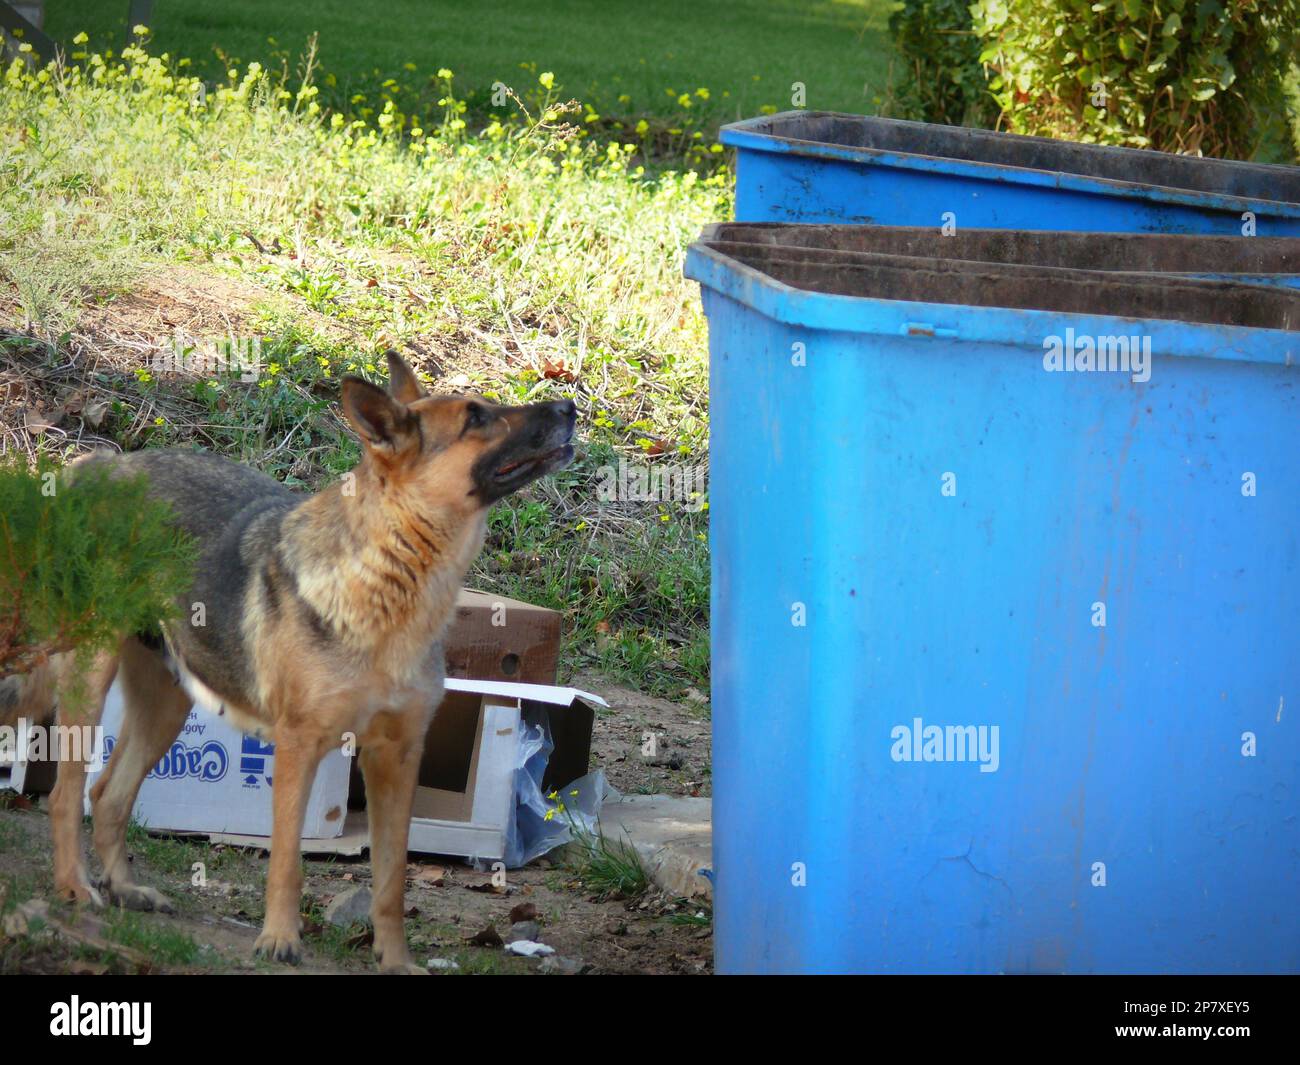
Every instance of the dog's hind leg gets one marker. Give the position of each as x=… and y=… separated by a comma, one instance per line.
x=155, y=707
x=81, y=704
x=390, y=761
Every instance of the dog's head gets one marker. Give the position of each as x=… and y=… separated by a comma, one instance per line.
x=456, y=451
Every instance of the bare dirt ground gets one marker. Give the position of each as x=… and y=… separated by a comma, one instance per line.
x=651, y=746
x=218, y=891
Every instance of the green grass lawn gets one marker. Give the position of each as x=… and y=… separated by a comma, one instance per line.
x=745, y=53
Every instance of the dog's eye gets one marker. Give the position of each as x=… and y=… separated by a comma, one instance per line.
x=475, y=416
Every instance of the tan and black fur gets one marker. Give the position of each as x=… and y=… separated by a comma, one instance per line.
x=311, y=619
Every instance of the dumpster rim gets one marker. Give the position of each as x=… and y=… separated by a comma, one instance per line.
x=718, y=231
x=741, y=135
x=965, y=323
x=714, y=234
x=935, y=264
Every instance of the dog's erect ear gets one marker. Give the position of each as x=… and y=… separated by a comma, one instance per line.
x=379, y=419
x=403, y=385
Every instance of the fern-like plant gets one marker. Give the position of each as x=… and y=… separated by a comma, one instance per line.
x=83, y=561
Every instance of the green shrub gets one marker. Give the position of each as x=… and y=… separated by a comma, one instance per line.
x=81, y=564
x=940, y=78
x=1176, y=75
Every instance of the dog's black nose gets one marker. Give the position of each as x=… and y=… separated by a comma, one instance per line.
x=566, y=410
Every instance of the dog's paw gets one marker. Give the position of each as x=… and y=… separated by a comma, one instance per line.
x=279, y=946
x=139, y=897
x=81, y=892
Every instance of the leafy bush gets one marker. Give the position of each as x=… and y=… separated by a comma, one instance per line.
x=1199, y=76
x=942, y=79
x=83, y=563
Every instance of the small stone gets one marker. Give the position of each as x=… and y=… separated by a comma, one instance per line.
x=524, y=930
x=442, y=963
x=664, y=760
x=350, y=907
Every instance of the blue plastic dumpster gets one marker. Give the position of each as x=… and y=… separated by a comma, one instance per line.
x=811, y=166
x=1005, y=669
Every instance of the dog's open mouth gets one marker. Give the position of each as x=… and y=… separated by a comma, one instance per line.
x=533, y=465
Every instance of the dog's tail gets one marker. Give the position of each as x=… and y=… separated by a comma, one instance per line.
x=30, y=695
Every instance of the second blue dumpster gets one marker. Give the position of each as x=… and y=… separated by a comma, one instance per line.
x=813, y=166
x=1004, y=637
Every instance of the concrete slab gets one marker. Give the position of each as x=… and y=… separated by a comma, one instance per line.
x=673, y=835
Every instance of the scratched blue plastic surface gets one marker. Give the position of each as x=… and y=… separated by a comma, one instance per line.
x=785, y=174
x=1120, y=745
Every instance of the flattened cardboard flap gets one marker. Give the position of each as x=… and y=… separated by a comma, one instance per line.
x=537, y=693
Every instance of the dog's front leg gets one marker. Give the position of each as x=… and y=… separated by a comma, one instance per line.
x=390, y=763
x=295, y=770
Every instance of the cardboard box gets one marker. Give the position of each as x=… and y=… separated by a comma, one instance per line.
x=217, y=782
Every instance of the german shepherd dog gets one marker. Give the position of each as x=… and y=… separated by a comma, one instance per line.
x=324, y=615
